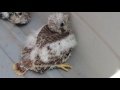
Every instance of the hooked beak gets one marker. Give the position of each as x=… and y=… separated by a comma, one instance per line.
x=62, y=29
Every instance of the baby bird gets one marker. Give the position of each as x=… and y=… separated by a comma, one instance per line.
x=49, y=47
x=16, y=18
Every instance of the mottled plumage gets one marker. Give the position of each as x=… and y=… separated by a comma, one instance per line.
x=48, y=48
x=16, y=17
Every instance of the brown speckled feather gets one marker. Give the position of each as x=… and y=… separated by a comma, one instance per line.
x=47, y=36
x=44, y=37
x=41, y=67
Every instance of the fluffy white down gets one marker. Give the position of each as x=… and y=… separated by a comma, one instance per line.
x=34, y=53
x=31, y=39
x=5, y=15
x=58, y=47
x=56, y=18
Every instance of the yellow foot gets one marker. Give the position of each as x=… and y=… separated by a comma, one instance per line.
x=65, y=66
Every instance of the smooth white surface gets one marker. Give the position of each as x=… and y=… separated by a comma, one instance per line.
x=116, y=75
x=96, y=55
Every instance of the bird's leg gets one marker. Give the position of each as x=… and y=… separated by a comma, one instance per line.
x=64, y=66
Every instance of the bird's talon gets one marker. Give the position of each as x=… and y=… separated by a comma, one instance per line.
x=65, y=66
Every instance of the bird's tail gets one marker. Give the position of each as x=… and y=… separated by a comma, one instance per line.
x=19, y=69
x=22, y=67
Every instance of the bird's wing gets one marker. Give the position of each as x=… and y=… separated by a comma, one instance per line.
x=41, y=38
x=47, y=36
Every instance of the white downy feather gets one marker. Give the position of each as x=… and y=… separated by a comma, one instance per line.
x=34, y=53
x=31, y=39
x=58, y=47
x=5, y=15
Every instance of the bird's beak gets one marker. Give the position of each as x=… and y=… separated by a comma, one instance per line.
x=62, y=29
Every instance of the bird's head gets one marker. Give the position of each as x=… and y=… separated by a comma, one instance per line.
x=20, y=17
x=59, y=23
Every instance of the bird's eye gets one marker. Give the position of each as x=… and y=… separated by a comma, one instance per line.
x=62, y=24
x=20, y=13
